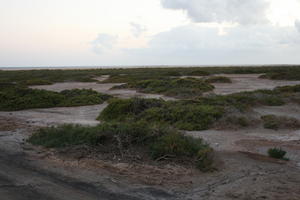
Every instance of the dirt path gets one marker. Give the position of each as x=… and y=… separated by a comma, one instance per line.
x=25, y=175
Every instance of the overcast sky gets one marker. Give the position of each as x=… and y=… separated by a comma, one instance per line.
x=148, y=32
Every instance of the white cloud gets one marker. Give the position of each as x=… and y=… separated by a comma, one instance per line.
x=103, y=42
x=137, y=29
x=193, y=44
x=297, y=25
x=234, y=11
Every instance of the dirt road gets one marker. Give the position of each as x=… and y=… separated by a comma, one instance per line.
x=23, y=176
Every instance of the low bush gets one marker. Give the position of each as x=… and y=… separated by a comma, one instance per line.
x=127, y=109
x=79, y=97
x=218, y=79
x=246, y=100
x=288, y=89
x=185, y=116
x=181, y=114
x=276, y=122
x=277, y=153
x=19, y=98
x=283, y=75
x=37, y=82
x=237, y=121
x=176, y=87
x=198, y=73
x=270, y=122
x=127, y=140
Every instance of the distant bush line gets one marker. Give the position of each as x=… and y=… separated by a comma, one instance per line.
x=133, y=74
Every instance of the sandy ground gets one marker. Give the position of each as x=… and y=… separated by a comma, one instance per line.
x=103, y=88
x=288, y=110
x=244, y=171
x=85, y=115
x=248, y=82
x=240, y=82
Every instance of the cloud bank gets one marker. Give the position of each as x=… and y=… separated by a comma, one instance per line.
x=192, y=44
x=234, y=11
x=297, y=25
x=103, y=42
x=137, y=29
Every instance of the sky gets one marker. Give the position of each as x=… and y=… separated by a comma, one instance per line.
x=148, y=32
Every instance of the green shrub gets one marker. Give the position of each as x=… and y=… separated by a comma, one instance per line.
x=37, y=82
x=185, y=116
x=272, y=100
x=283, y=75
x=79, y=97
x=270, y=122
x=157, y=142
x=181, y=114
x=124, y=109
x=205, y=159
x=245, y=100
x=288, y=89
x=19, y=98
x=66, y=135
x=218, y=79
x=198, y=73
x=239, y=121
x=172, y=73
x=277, y=153
x=276, y=122
x=176, y=87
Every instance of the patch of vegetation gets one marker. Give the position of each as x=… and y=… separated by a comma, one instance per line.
x=283, y=75
x=218, y=79
x=245, y=100
x=181, y=88
x=134, y=74
x=288, y=89
x=18, y=98
x=277, y=153
x=37, y=82
x=198, y=73
x=181, y=114
x=271, y=122
x=235, y=121
x=127, y=139
x=276, y=122
x=197, y=114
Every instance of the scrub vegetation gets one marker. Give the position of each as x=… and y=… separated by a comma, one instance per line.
x=180, y=114
x=277, y=153
x=134, y=74
x=145, y=129
x=292, y=75
x=177, y=87
x=218, y=79
x=197, y=114
x=14, y=97
x=280, y=122
x=130, y=140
